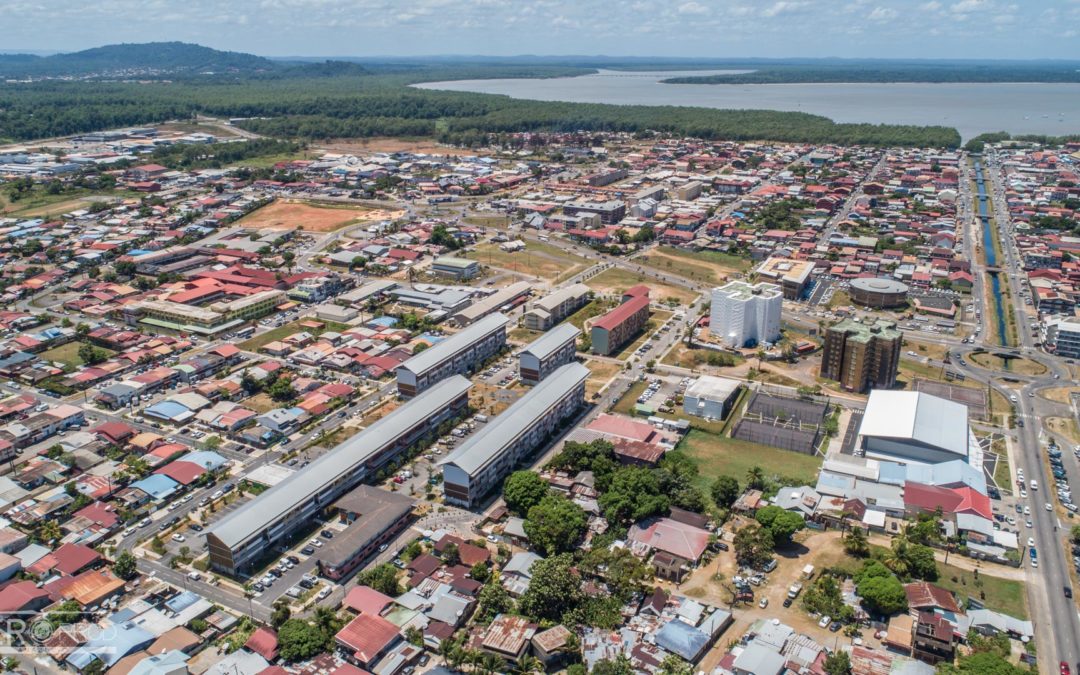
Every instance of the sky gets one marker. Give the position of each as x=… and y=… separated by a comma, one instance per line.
x=1006, y=29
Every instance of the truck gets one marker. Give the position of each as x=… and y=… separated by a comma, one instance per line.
x=808, y=572
x=795, y=589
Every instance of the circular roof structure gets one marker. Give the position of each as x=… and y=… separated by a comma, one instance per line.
x=879, y=285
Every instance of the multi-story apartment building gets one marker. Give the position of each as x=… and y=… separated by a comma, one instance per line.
x=793, y=276
x=553, y=308
x=1062, y=337
x=456, y=355
x=242, y=538
x=861, y=356
x=548, y=352
x=481, y=463
x=209, y=320
x=610, y=212
x=744, y=315
x=617, y=327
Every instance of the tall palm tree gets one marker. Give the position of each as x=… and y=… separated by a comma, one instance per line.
x=896, y=559
x=755, y=477
x=855, y=542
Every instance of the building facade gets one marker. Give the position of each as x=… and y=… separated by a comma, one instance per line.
x=456, y=355
x=544, y=355
x=862, y=356
x=744, y=315
x=617, y=327
x=552, y=309
x=1062, y=337
x=481, y=463
x=238, y=541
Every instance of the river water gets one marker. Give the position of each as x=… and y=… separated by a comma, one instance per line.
x=1019, y=108
x=991, y=253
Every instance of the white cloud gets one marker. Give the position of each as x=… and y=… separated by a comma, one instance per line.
x=883, y=14
x=931, y=6
x=782, y=7
x=693, y=8
x=968, y=6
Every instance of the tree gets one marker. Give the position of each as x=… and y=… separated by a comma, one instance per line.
x=299, y=640
x=450, y=554
x=753, y=545
x=921, y=563
x=897, y=557
x=124, y=567
x=526, y=665
x=780, y=523
x=125, y=268
x=625, y=573
x=838, y=663
x=555, y=525
x=883, y=595
x=480, y=572
x=725, y=490
x=982, y=663
x=282, y=390
x=856, y=543
x=523, y=490
x=554, y=589
x=675, y=665
x=383, y=578
x=281, y=614
x=755, y=478
x=49, y=531
x=89, y=354
x=634, y=493
x=493, y=601
x=620, y=665
x=67, y=612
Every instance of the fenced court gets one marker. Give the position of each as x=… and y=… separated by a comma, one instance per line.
x=780, y=418
x=974, y=399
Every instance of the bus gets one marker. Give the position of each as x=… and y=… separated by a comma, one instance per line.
x=245, y=333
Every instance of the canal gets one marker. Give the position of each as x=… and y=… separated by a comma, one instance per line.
x=991, y=253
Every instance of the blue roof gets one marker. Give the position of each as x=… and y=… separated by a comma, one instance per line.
x=204, y=458
x=182, y=601
x=385, y=321
x=157, y=485
x=682, y=639
x=428, y=337
x=138, y=252
x=166, y=410
x=111, y=646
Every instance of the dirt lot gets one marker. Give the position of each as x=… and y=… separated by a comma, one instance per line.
x=287, y=214
x=538, y=260
x=366, y=145
x=616, y=280
x=705, y=266
x=1059, y=394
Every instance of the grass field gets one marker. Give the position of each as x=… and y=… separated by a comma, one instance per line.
x=523, y=335
x=602, y=371
x=1002, y=595
x=538, y=260
x=1059, y=394
x=931, y=349
x=616, y=280
x=839, y=299
x=910, y=370
x=685, y=357
x=709, y=267
x=716, y=455
x=594, y=308
x=285, y=214
x=68, y=354
x=1020, y=366
x=40, y=203
x=255, y=343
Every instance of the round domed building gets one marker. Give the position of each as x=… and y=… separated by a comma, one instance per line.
x=878, y=293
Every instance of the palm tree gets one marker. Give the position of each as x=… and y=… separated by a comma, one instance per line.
x=490, y=664
x=755, y=477
x=855, y=542
x=896, y=560
x=526, y=665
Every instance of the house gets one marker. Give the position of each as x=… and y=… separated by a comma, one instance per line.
x=517, y=573
x=934, y=639
x=367, y=638
x=508, y=636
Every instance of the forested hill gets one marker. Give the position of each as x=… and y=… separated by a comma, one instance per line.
x=892, y=71
x=146, y=58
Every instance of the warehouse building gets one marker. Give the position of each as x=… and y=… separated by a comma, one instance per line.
x=711, y=397
x=243, y=537
x=456, y=355
x=503, y=299
x=459, y=268
x=611, y=331
x=744, y=315
x=910, y=427
x=542, y=356
x=552, y=309
x=482, y=462
x=861, y=355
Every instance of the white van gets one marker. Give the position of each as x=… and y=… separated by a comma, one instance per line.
x=1034, y=484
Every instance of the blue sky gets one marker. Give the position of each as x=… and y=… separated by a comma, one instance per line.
x=1020, y=29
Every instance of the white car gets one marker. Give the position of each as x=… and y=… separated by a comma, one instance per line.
x=764, y=603
x=1027, y=510
x=825, y=621
x=1031, y=541
x=1028, y=523
x=178, y=537
x=1049, y=506
x=324, y=593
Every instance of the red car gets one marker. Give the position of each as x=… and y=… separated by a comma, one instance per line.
x=1065, y=668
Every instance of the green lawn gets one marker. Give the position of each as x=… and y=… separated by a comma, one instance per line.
x=68, y=355
x=1002, y=595
x=593, y=309
x=255, y=343
x=716, y=455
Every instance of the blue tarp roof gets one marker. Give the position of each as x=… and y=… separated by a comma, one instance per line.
x=682, y=639
x=204, y=458
x=157, y=486
x=385, y=321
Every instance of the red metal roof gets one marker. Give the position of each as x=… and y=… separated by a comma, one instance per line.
x=621, y=313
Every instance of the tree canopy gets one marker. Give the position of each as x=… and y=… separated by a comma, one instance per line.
x=523, y=490
x=555, y=524
x=634, y=493
x=780, y=523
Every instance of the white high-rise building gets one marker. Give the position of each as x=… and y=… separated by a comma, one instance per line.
x=744, y=315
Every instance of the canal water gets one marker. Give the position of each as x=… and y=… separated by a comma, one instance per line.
x=991, y=253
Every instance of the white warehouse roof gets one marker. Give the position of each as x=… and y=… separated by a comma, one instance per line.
x=915, y=416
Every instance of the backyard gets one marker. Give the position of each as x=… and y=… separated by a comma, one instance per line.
x=68, y=355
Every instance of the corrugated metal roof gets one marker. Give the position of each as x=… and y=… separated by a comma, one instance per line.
x=252, y=517
x=546, y=344
x=490, y=441
x=433, y=356
x=919, y=417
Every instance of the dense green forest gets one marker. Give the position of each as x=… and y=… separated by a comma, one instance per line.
x=979, y=142
x=906, y=71
x=382, y=104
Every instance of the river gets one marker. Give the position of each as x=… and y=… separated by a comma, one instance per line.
x=991, y=252
x=1019, y=108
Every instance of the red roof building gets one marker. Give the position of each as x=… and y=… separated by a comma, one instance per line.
x=623, y=427
x=919, y=498
x=366, y=600
x=367, y=637
x=263, y=642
